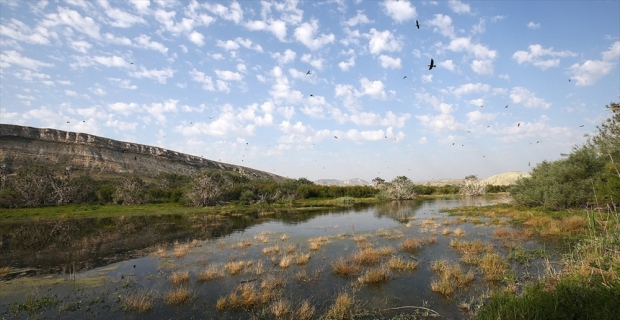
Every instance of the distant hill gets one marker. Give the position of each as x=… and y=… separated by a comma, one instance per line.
x=348, y=182
x=502, y=179
x=99, y=156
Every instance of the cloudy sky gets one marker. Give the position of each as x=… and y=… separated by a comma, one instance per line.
x=319, y=89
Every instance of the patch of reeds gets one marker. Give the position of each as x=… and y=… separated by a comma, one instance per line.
x=342, y=308
x=302, y=258
x=458, y=232
x=397, y=263
x=245, y=296
x=377, y=274
x=234, y=267
x=140, y=302
x=286, y=261
x=242, y=244
x=305, y=311
x=411, y=244
x=271, y=250
x=161, y=252
x=493, y=267
x=210, y=273
x=180, y=249
x=180, y=277
x=4, y=271
x=280, y=308
x=317, y=243
x=368, y=255
x=177, y=296
x=446, y=231
x=290, y=248
x=284, y=237
x=345, y=267
x=451, y=277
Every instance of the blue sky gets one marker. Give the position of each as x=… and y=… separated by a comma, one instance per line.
x=228, y=80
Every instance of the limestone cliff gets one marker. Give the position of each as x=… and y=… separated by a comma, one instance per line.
x=96, y=155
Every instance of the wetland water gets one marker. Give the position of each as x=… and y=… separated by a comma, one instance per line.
x=92, y=268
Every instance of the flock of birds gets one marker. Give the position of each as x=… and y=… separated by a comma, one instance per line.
x=430, y=67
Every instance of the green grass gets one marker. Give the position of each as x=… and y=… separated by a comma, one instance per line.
x=111, y=210
x=568, y=299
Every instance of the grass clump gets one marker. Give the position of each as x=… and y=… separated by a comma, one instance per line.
x=493, y=266
x=451, y=277
x=180, y=249
x=411, y=244
x=302, y=258
x=397, y=263
x=210, y=273
x=271, y=250
x=570, y=298
x=375, y=275
x=180, y=277
x=140, y=302
x=177, y=296
x=280, y=308
x=235, y=267
x=305, y=311
x=345, y=267
x=367, y=256
x=342, y=308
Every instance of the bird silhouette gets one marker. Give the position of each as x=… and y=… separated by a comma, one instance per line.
x=386, y=137
x=405, y=77
x=568, y=80
x=68, y=122
x=311, y=95
x=519, y=124
x=335, y=137
x=581, y=126
x=506, y=106
x=307, y=73
x=417, y=24
x=452, y=143
x=132, y=63
x=83, y=120
x=528, y=163
x=432, y=65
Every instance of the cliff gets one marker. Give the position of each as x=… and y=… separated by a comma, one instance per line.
x=96, y=155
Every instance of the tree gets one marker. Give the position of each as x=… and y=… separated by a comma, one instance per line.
x=207, y=188
x=399, y=189
x=132, y=190
x=377, y=181
x=472, y=186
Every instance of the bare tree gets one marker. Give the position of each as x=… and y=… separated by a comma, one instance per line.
x=472, y=186
x=399, y=189
x=132, y=190
x=207, y=188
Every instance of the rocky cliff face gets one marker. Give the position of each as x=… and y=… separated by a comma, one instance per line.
x=96, y=155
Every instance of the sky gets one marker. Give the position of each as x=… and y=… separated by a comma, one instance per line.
x=319, y=89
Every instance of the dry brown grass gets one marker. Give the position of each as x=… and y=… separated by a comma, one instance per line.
x=317, y=243
x=234, y=267
x=345, y=267
x=284, y=237
x=470, y=250
x=180, y=277
x=429, y=223
x=271, y=250
x=451, y=277
x=161, y=252
x=397, y=263
x=411, y=244
x=493, y=267
x=386, y=251
x=242, y=244
x=305, y=311
x=303, y=276
x=4, y=271
x=140, y=301
x=432, y=240
x=280, y=308
x=290, y=248
x=286, y=261
x=259, y=268
x=246, y=295
x=459, y=232
x=180, y=249
x=391, y=234
x=302, y=258
x=342, y=308
x=272, y=282
x=573, y=224
x=502, y=233
x=262, y=237
x=177, y=296
x=368, y=255
x=210, y=273
x=378, y=274
x=360, y=238
x=446, y=231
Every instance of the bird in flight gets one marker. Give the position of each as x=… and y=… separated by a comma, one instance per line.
x=417, y=24
x=452, y=143
x=568, y=80
x=432, y=65
x=405, y=77
x=481, y=106
x=68, y=122
x=528, y=163
x=519, y=124
x=307, y=73
x=506, y=106
x=311, y=95
x=335, y=137
x=132, y=63
x=581, y=126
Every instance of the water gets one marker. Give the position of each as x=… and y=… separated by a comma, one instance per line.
x=112, y=260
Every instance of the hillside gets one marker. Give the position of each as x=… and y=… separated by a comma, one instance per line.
x=502, y=179
x=348, y=182
x=101, y=156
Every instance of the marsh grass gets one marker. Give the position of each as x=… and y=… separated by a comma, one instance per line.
x=368, y=255
x=305, y=311
x=235, y=267
x=290, y=248
x=342, y=308
x=280, y=308
x=161, y=252
x=317, y=243
x=302, y=258
x=459, y=232
x=377, y=274
x=177, y=296
x=451, y=277
x=412, y=244
x=245, y=296
x=271, y=250
x=345, y=267
x=4, y=271
x=397, y=263
x=493, y=267
x=180, y=249
x=178, y=278
x=284, y=237
x=210, y=273
x=286, y=261
x=140, y=302
x=242, y=244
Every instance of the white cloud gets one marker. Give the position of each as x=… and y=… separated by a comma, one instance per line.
x=537, y=54
x=533, y=25
x=197, y=38
x=10, y=57
x=382, y=41
x=479, y=51
x=448, y=64
x=233, y=45
x=389, y=62
x=360, y=18
x=28, y=75
x=470, y=88
x=428, y=78
x=123, y=83
x=158, y=110
x=144, y=41
x=477, y=116
x=375, y=89
x=228, y=75
x=443, y=24
x=207, y=82
x=141, y=6
x=71, y=93
x=73, y=19
x=317, y=63
x=527, y=98
x=458, y=7
x=19, y=31
x=484, y=67
x=161, y=75
x=121, y=19
x=306, y=34
x=124, y=108
x=346, y=65
x=98, y=91
x=591, y=71
x=232, y=13
x=276, y=27
x=80, y=46
x=110, y=61
x=400, y=11
x=284, y=58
